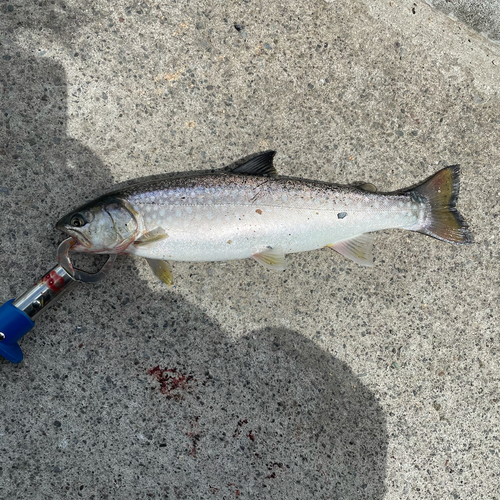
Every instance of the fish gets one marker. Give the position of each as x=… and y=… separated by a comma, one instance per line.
x=249, y=211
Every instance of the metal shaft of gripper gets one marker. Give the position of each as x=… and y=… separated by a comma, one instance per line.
x=17, y=316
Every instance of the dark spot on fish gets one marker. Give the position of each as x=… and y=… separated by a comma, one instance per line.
x=341, y=215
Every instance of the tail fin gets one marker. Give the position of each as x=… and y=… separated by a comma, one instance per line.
x=443, y=220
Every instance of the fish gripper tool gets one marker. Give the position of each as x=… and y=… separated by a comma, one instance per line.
x=17, y=316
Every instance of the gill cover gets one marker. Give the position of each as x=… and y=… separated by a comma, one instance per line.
x=105, y=225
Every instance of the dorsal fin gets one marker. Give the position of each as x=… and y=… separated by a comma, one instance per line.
x=259, y=165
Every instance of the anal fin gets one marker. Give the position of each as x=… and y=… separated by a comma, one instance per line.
x=358, y=249
x=271, y=258
x=162, y=270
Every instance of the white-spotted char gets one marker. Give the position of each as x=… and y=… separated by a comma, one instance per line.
x=249, y=211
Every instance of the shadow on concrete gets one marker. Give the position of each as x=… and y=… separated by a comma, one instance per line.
x=269, y=415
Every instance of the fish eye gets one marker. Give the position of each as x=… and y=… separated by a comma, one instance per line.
x=77, y=220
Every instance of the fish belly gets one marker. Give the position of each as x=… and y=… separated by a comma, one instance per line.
x=227, y=232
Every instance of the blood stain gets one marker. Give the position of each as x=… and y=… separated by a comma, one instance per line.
x=53, y=281
x=171, y=380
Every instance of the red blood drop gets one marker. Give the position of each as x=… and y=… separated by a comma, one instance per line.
x=53, y=281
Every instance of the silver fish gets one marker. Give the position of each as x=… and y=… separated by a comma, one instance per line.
x=249, y=211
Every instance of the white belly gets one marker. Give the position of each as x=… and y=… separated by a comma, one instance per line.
x=227, y=232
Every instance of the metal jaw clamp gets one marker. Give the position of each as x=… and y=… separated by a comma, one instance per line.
x=17, y=316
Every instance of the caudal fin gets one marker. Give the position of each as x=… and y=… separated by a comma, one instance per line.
x=443, y=221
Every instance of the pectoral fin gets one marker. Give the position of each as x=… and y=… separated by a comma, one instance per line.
x=358, y=249
x=163, y=270
x=156, y=234
x=271, y=258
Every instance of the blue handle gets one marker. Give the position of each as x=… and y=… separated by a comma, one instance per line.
x=14, y=324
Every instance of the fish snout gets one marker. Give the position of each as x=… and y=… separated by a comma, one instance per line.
x=64, y=225
x=61, y=224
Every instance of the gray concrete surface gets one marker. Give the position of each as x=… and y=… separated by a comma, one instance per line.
x=482, y=16
x=326, y=381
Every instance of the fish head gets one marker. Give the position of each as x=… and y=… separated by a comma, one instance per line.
x=105, y=225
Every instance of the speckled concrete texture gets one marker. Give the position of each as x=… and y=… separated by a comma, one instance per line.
x=326, y=381
x=482, y=16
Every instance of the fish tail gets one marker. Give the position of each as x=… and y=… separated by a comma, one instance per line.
x=440, y=194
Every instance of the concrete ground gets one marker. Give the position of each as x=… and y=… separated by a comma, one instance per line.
x=482, y=16
x=326, y=381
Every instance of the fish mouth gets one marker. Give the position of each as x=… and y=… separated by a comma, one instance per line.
x=80, y=238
